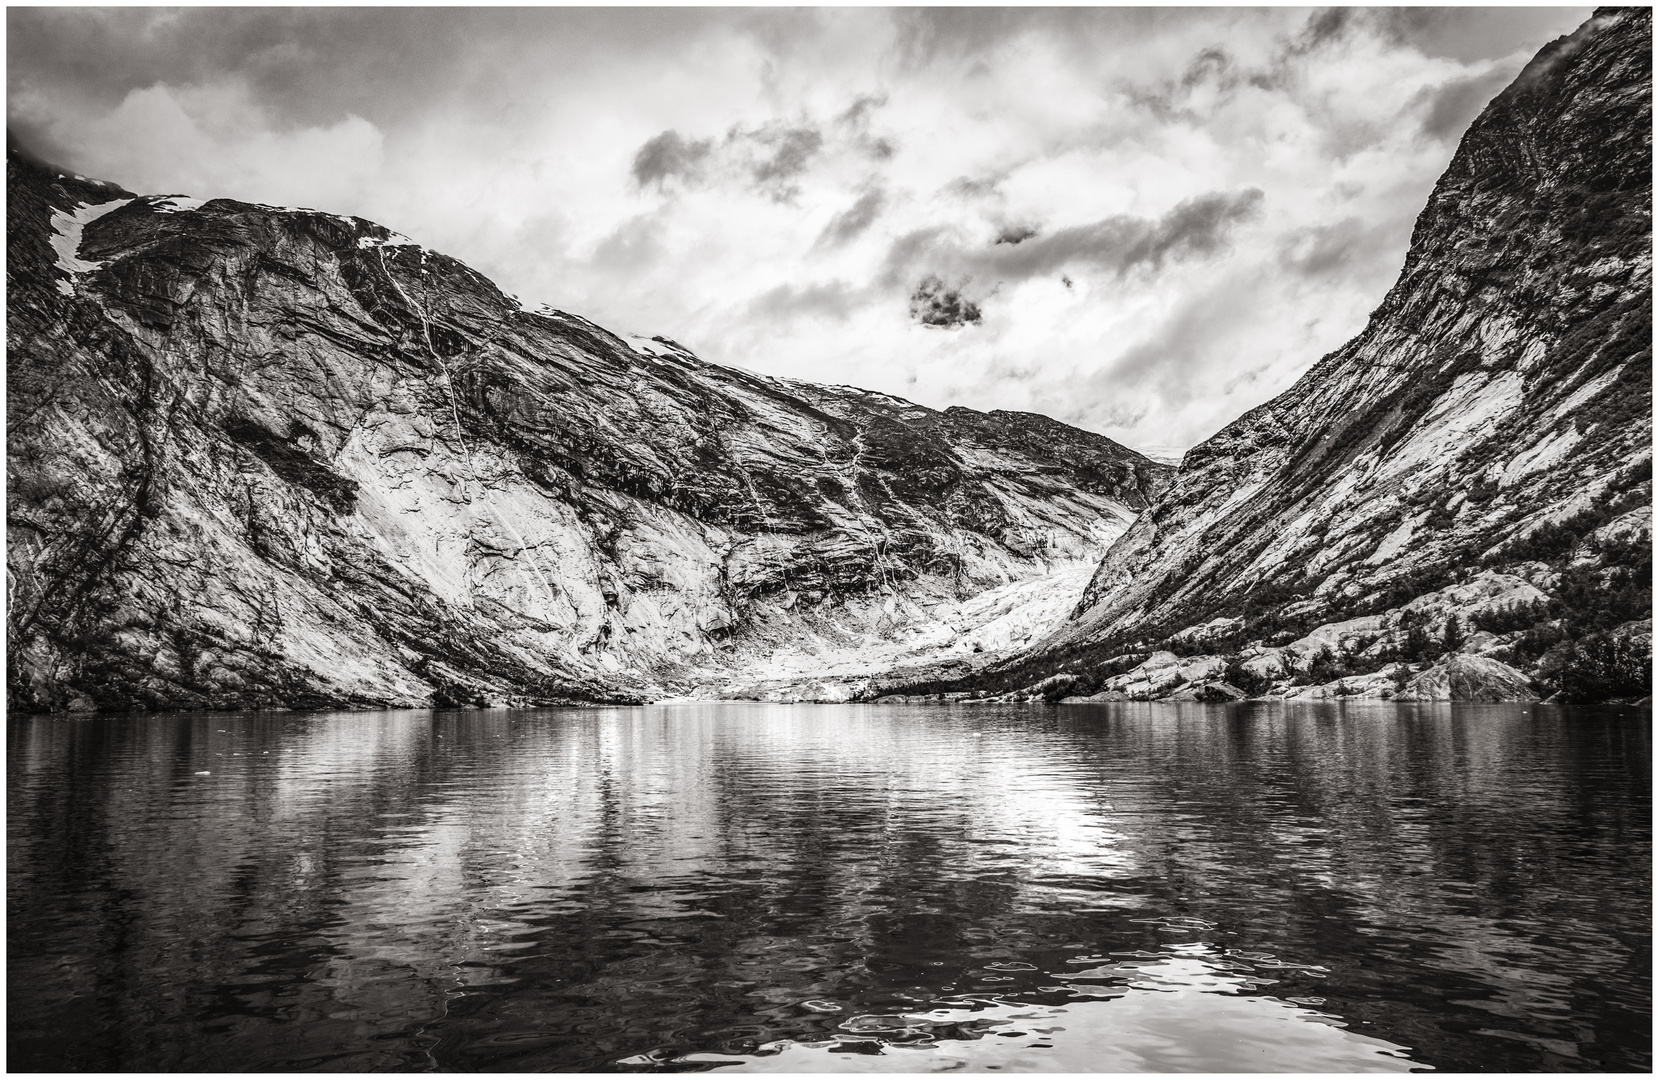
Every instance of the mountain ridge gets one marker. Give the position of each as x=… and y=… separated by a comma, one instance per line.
x=1502, y=387
x=267, y=457
x=262, y=457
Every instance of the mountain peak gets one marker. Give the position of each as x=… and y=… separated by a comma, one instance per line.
x=1499, y=394
x=265, y=456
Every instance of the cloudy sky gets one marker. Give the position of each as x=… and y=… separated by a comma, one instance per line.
x=1140, y=221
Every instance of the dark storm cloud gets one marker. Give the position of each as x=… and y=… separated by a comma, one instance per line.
x=857, y=115
x=788, y=150
x=1196, y=226
x=668, y=155
x=855, y=120
x=1210, y=65
x=936, y=304
x=315, y=65
x=1015, y=234
x=770, y=156
x=1118, y=245
x=1323, y=27
x=1467, y=34
x=1453, y=105
x=852, y=222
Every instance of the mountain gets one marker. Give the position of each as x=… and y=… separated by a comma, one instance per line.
x=263, y=457
x=1482, y=450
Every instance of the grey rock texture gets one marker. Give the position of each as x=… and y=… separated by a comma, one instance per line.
x=1495, y=412
x=261, y=457
x=1468, y=678
x=1506, y=375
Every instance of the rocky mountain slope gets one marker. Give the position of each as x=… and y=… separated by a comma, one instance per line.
x=1481, y=451
x=265, y=457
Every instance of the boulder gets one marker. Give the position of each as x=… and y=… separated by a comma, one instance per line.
x=1157, y=673
x=1352, y=633
x=1199, y=668
x=1469, y=678
x=1210, y=692
x=1486, y=592
x=1633, y=527
x=1207, y=633
x=1375, y=685
x=1053, y=688
x=1270, y=664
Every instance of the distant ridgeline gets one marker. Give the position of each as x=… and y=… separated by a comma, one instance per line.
x=1455, y=504
x=264, y=457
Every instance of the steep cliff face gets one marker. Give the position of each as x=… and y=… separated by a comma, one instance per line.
x=1494, y=414
x=267, y=457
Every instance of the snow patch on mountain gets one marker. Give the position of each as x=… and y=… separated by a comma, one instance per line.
x=175, y=204
x=66, y=239
x=386, y=483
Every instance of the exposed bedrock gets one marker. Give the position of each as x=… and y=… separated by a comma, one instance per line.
x=262, y=457
x=1494, y=415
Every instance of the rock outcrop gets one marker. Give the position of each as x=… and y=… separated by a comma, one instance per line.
x=267, y=457
x=1468, y=678
x=262, y=457
x=1495, y=413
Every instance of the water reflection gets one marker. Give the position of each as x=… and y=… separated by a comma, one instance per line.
x=1168, y=1012
x=833, y=888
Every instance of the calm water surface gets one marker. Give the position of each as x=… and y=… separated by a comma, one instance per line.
x=833, y=888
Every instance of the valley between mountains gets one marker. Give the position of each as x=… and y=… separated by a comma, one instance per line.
x=261, y=457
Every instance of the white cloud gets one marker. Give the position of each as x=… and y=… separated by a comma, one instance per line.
x=739, y=180
x=217, y=141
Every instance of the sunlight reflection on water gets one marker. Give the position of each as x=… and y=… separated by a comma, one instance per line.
x=1173, y=1013
x=831, y=888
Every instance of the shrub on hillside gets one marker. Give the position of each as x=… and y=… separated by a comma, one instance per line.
x=1325, y=668
x=1453, y=637
x=1247, y=680
x=1419, y=644
x=1329, y=666
x=1518, y=615
x=1553, y=540
x=1602, y=667
x=1537, y=641
x=1593, y=600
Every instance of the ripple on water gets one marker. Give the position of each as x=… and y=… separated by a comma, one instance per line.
x=768, y=888
x=1138, y=1031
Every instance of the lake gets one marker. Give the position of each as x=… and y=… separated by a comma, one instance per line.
x=749, y=887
